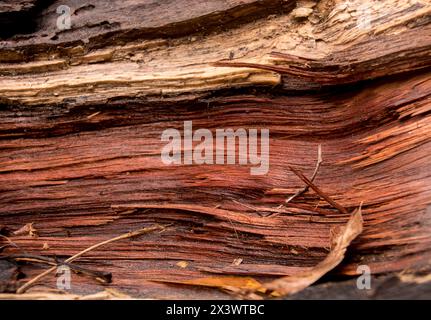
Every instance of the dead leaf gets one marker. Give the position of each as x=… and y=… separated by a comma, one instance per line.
x=340, y=241
x=28, y=229
x=237, y=262
x=45, y=246
x=247, y=287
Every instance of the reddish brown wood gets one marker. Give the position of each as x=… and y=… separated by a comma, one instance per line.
x=80, y=130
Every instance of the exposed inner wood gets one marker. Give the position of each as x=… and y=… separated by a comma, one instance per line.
x=83, y=110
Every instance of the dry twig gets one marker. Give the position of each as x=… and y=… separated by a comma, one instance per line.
x=316, y=170
x=319, y=191
x=104, y=277
x=128, y=235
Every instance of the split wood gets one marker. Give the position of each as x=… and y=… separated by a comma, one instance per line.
x=128, y=235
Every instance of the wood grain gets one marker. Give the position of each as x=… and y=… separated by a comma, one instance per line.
x=82, y=112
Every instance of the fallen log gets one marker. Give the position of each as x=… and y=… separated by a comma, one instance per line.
x=87, y=111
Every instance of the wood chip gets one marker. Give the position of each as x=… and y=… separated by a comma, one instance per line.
x=28, y=229
x=182, y=264
x=237, y=262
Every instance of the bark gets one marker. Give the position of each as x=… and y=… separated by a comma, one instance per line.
x=83, y=110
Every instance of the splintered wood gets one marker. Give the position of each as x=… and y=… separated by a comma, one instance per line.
x=343, y=88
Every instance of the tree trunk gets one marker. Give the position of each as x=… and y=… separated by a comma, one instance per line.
x=84, y=109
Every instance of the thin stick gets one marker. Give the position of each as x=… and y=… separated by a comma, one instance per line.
x=318, y=191
x=316, y=170
x=136, y=233
x=279, y=209
x=104, y=277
